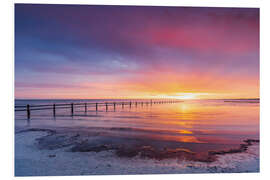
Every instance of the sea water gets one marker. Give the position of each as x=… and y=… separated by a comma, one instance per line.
x=197, y=124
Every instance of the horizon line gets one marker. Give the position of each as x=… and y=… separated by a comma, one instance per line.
x=258, y=98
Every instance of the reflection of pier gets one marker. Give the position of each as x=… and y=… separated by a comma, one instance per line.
x=87, y=105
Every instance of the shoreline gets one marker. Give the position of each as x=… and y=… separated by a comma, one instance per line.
x=39, y=153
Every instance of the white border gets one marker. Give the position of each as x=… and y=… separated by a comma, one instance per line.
x=7, y=81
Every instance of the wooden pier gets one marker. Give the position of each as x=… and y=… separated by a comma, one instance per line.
x=88, y=105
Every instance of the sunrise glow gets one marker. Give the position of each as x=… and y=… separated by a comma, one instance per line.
x=136, y=52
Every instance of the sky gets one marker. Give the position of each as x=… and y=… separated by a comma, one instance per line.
x=84, y=51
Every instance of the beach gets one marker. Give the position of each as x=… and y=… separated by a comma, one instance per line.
x=31, y=160
x=202, y=136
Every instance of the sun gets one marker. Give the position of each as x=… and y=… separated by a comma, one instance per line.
x=186, y=96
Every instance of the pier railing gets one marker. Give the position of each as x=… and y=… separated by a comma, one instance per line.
x=86, y=105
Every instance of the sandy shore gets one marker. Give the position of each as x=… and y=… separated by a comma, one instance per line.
x=31, y=160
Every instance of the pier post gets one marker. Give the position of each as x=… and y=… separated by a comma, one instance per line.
x=53, y=110
x=130, y=104
x=136, y=103
x=72, y=109
x=28, y=111
x=106, y=106
x=114, y=106
x=122, y=105
x=96, y=106
x=85, y=107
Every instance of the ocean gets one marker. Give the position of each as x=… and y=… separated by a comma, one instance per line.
x=197, y=125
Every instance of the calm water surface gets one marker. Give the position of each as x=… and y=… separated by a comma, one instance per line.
x=204, y=122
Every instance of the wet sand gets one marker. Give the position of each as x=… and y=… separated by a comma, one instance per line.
x=44, y=152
